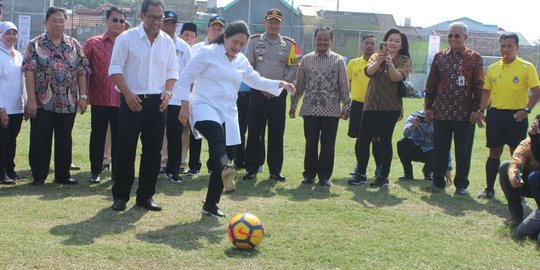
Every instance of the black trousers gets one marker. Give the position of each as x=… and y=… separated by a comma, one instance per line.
x=463, y=133
x=174, y=139
x=384, y=123
x=242, y=103
x=408, y=152
x=324, y=130
x=215, y=136
x=8, y=143
x=102, y=116
x=195, y=146
x=261, y=111
x=41, y=135
x=530, y=189
x=149, y=124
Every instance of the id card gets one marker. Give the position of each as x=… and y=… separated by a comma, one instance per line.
x=461, y=80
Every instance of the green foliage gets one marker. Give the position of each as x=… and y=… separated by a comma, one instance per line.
x=307, y=227
x=68, y=4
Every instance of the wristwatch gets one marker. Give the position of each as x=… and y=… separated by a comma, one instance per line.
x=527, y=109
x=169, y=93
x=481, y=111
x=85, y=97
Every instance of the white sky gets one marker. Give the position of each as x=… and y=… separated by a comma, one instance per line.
x=517, y=15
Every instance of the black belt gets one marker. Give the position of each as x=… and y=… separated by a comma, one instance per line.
x=243, y=93
x=147, y=96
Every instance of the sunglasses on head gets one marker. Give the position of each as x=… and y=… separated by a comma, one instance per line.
x=118, y=20
x=454, y=35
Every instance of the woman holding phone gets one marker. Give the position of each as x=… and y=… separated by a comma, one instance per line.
x=11, y=101
x=383, y=105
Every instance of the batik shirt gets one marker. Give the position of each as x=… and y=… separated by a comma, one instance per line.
x=56, y=68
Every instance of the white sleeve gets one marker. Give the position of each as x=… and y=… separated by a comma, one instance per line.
x=194, y=68
x=172, y=63
x=119, y=56
x=254, y=79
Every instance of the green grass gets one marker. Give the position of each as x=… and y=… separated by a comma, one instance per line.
x=307, y=227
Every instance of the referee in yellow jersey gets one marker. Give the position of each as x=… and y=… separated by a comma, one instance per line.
x=506, y=92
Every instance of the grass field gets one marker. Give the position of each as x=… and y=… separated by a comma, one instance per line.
x=307, y=227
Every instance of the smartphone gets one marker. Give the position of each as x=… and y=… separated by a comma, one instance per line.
x=383, y=46
x=422, y=118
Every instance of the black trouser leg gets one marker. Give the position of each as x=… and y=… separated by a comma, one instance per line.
x=215, y=136
x=174, y=139
x=39, y=156
x=63, y=125
x=404, y=150
x=367, y=126
x=492, y=167
x=463, y=141
x=195, y=146
x=325, y=163
x=442, y=138
x=101, y=116
x=242, y=103
x=8, y=143
x=258, y=109
x=512, y=195
x=276, y=130
x=312, y=127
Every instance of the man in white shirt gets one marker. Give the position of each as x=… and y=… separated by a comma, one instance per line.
x=174, y=127
x=216, y=26
x=144, y=68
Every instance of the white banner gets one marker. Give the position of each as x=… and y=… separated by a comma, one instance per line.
x=25, y=25
x=433, y=48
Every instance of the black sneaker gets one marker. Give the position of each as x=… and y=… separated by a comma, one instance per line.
x=95, y=179
x=6, y=180
x=13, y=176
x=358, y=179
x=192, y=172
x=406, y=177
x=380, y=182
x=175, y=178
x=212, y=211
x=461, y=191
x=486, y=194
x=250, y=176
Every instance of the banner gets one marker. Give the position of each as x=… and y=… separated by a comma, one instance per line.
x=25, y=25
x=433, y=48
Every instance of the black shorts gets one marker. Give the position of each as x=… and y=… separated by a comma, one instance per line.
x=502, y=128
x=355, y=116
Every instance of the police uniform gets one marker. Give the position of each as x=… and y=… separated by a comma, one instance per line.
x=274, y=59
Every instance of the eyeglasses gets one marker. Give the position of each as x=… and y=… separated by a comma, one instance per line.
x=456, y=36
x=155, y=18
x=118, y=20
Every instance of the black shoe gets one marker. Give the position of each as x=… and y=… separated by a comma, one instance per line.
x=38, y=182
x=406, y=177
x=95, y=179
x=380, y=182
x=214, y=211
x=434, y=188
x=119, y=205
x=461, y=191
x=428, y=177
x=486, y=194
x=325, y=182
x=175, y=178
x=239, y=165
x=149, y=204
x=13, y=176
x=105, y=167
x=250, y=176
x=69, y=181
x=277, y=177
x=183, y=171
x=358, y=179
x=307, y=181
x=74, y=167
x=6, y=180
x=193, y=172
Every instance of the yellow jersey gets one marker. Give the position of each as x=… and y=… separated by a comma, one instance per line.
x=509, y=84
x=357, y=77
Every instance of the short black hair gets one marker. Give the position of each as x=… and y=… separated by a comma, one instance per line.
x=367, y=36
x=324, y=29
x=114, y=9
x=53, y=10
x=146, y=3
x=233, y=28
x=510, y=35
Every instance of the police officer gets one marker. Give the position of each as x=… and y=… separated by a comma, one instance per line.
x=275, y=57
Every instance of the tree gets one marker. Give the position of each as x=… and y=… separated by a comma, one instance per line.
x=68, y=4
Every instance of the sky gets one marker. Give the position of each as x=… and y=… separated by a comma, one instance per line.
x=516, y=16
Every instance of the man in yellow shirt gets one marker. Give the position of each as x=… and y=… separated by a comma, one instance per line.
x=358, y=84
x=506, y=92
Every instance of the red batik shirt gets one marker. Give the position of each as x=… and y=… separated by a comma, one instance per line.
x=454, y=85
x=101, y=92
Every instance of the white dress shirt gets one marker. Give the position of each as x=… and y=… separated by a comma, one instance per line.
x=146, y=67
x=215, y=90
x=183, y=55
x=198, y=46
x=11, y=82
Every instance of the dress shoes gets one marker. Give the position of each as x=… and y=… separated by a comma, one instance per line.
x=209, y=210
x=105, y=167
x=307, y=181
x=74, y=167
x=461, y=191
x=486, y=194
x=95, y=179
x=37, y=182
x=69, y=181
x=277, y=177
x=149, y=204
x=250, y=176
x=325, y=182
x=406, y=177
x=119, y=205
x=434, y=188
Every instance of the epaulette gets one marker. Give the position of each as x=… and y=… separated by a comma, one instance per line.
x=289, y=39
x=255, y=36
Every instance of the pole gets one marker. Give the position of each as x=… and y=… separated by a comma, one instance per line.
x=249, y=14
x=291, y=19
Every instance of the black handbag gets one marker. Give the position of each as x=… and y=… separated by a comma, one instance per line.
x=401, y=89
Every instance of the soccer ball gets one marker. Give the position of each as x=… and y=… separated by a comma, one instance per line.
x=245, y=231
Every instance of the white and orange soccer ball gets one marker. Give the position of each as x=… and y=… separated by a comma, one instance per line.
x=245, y=231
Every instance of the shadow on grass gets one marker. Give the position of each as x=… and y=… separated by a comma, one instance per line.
x=187, y=236
x=373, y=197
x=233, y=252
x=105, y=222
x=305, y=192
x=253, y=188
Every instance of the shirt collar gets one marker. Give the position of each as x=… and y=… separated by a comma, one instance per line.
x=64, y=38
x=327, y=53
x=220, y=49
x=265, y=37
